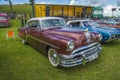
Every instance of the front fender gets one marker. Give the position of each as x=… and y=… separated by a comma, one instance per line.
x=105, y=36
x=59, y=43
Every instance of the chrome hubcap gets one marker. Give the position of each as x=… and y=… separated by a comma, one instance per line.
x=53, y=57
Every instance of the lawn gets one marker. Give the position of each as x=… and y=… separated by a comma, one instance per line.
x=19, y=8
x=22, y=62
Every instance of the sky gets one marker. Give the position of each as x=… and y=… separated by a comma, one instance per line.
x=106, y=4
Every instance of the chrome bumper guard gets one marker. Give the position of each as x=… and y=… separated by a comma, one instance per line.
x=115, y=36
x=87, y=53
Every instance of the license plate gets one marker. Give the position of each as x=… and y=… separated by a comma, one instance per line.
x=93, y=57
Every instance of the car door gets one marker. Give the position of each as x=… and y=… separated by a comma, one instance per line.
x=36, y=36
x=33, y=30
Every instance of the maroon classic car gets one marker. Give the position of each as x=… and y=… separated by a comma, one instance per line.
x=63, y=45
x=4, y=22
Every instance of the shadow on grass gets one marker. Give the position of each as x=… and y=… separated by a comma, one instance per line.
x=82, y=67
x=112, y=43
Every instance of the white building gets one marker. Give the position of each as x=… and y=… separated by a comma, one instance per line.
x=108, y=11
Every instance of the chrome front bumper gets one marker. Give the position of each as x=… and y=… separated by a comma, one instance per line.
x=114, y=37
x=80, y=55
x=4, y=24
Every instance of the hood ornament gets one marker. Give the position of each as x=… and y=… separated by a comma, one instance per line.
x=86, y=30
x=88, y=35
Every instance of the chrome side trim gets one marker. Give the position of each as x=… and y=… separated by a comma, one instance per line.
x=43, y=42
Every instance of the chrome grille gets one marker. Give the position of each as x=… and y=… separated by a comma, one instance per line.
x=86, y=48
x=115, y=36
x=3, y=24
x=91, y=52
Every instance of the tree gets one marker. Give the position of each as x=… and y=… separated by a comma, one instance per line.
x=32, y=2
x=10, y=3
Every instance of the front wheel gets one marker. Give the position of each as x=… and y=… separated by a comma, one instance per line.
x=23, y=41
x=53, y=57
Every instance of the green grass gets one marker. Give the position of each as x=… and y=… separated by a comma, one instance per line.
x=22, y=62
x=19, y=8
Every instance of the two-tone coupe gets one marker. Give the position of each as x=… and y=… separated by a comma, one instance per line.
x=64, y=46
x=108, y=33
x=4, y=22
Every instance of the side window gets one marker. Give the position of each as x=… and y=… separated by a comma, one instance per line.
x=86, y=24
x=75, y=24
x=34, y=24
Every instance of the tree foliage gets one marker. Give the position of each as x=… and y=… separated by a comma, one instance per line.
x=32, y=2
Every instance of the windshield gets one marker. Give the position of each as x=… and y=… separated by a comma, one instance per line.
x=90, y=23
x=50, y=23
x=112, y=21
x=3, y=18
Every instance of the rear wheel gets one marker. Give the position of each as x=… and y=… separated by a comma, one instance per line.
x=53, y=57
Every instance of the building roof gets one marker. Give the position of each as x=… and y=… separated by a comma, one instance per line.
x=66, y=5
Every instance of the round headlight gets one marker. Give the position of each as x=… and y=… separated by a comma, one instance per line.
x=99, y=37
x=70, y=45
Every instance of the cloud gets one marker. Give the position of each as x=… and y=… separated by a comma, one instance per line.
x=97, y=2
x=74, y=2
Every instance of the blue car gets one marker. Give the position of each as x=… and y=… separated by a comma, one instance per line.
x=108, y=34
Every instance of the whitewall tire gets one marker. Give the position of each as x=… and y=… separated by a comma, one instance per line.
x=53, y=57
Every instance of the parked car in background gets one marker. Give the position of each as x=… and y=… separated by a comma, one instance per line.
x=64, y=46
x=108, y=34
x=117, y=19
x=4, y=22
x=109, y=23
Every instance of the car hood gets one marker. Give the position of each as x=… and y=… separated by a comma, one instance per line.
x=66, y=33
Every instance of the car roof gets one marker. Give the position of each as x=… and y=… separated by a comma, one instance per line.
x=79, y=20
x=43, y=18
